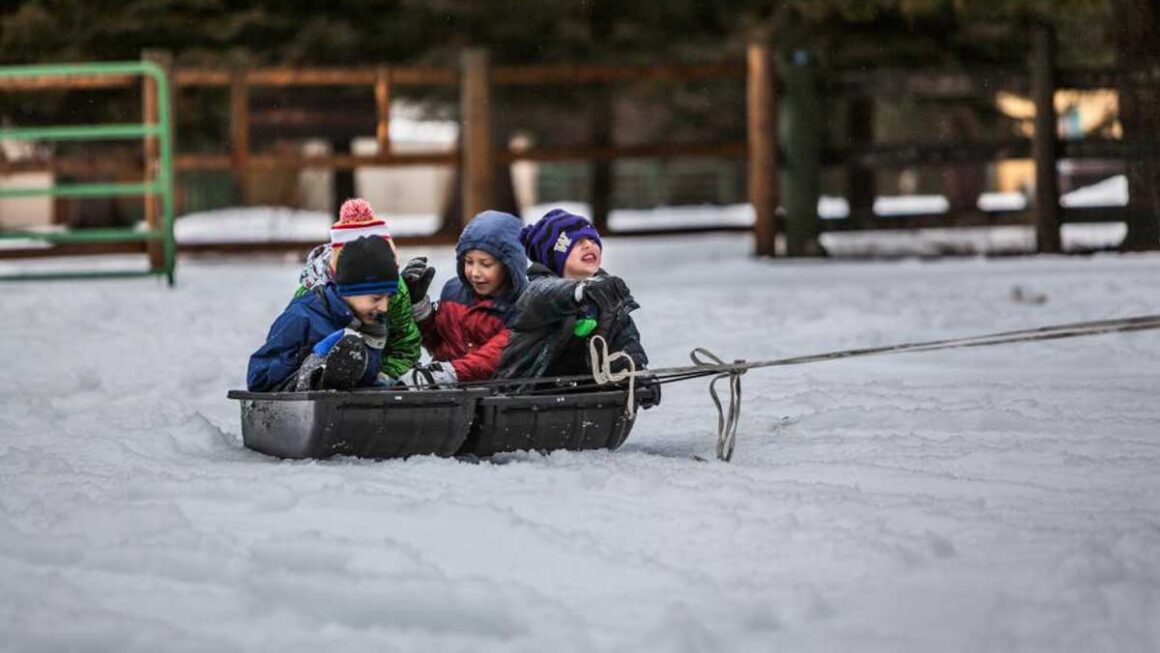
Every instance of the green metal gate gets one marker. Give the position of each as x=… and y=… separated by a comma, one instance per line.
x=159, y=185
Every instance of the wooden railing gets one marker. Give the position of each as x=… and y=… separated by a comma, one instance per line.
x=769, y=84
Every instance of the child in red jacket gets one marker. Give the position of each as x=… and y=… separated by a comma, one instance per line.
x=467, y=330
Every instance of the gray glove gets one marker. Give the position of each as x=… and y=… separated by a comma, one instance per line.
x=374, y=334
x=422, y=309
x=432, y=375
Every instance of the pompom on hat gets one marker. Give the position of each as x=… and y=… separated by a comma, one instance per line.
x=356, y=219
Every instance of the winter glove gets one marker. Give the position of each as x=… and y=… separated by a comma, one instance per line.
x=384, y=380
x=309, y=373
x=432, y=375
x=608, y=294
x=648, y=391
x=374, y=334
x=418, y=276
x=422, y=309
x=323, y=347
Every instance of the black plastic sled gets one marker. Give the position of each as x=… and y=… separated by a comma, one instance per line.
x=577, y=421
x=379, y=423
x=365, y=423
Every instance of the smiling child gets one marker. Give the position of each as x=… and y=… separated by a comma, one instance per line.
x=466, y=330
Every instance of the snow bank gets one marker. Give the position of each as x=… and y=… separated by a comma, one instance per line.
x=267, y=223
x=999, y=499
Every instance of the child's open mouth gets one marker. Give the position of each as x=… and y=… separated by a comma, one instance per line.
x=588, y=258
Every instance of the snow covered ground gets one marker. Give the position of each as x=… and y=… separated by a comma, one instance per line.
x=997, y=499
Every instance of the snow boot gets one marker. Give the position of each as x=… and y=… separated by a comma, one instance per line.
x=345, y=364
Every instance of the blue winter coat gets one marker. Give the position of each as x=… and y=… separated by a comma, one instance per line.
x=306, y=320
x=498, y=234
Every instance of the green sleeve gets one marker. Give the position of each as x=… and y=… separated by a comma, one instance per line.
x=403, y=338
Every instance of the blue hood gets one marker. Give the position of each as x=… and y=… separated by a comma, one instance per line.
x=498, y=234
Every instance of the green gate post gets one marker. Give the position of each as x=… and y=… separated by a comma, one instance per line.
x=800, y=131
x=161, y=183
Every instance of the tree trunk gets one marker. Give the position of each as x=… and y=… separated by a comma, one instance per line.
x=1137, y=38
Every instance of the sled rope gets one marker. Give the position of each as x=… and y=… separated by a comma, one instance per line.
x=706, y=363
x=602, y=373
x=726, y=423
x=674, y=374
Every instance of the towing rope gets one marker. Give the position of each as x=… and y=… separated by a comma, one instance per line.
x=706, y=363
x=716, y=367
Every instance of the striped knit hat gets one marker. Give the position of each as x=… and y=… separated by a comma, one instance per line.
x=356, y=219
x=550, y=241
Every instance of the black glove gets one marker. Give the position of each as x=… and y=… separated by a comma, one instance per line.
x=417, y=275
x=648, y=391
x=608, y=294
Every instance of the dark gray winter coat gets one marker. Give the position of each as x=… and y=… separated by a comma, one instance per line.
x=542, y=342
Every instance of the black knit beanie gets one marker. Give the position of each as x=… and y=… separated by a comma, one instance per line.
x=367, y=267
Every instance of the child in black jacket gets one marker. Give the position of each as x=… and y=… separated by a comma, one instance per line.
x=570, y=299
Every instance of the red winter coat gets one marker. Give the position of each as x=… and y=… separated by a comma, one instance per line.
x=466, y=330
x=469, y=333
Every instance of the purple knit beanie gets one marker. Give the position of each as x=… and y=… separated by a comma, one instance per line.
x=550, y=240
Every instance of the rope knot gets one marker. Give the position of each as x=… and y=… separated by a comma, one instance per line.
x=601, y=361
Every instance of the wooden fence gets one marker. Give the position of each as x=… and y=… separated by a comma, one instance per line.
x=768, y=82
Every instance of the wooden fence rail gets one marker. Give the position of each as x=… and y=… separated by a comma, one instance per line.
x=769, y=84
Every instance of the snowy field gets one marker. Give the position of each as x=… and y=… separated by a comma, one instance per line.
x=998, y=499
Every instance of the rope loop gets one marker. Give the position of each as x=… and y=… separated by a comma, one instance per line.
x=726, y=421
x=601, y=360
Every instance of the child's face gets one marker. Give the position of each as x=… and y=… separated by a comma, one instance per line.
x=484, y=272
x=584, y=260
x=368, y=308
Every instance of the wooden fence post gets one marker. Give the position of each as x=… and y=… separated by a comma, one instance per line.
x=762, y=142
x=1044, y=142
x=861, y=183
x=240, y=133
x=478, y=156
x=800, y=132
x=152, y=156
x=602, y=182
x=383, y=110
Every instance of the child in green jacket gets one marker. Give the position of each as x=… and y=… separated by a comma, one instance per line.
x=356, y=219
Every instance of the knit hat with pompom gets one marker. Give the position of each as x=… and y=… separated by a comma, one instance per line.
x=356, y=219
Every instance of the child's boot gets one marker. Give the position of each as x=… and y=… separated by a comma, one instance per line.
x=345, y=364
x=309, y=374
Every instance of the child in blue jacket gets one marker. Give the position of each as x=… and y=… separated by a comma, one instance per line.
x=333, y=336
